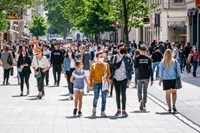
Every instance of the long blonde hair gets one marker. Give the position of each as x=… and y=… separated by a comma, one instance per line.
x=136, y=53
x=168, y=58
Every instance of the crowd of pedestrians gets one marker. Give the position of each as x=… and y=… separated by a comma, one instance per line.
x=100, y=67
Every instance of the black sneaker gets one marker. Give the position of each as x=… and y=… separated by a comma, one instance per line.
x=118, y=113
x=141, y=105
x=79, y=113
x=169, y=111
x=174, y=109
x=21, y=94
x=43, y=93
x=74, y=112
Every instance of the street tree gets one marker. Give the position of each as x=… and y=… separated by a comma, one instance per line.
x=131, y=13
x=38, y=27
x=56, y=17
x=3, y=23
x=89, y=16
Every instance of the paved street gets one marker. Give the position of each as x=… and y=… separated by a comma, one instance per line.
x=53, y=114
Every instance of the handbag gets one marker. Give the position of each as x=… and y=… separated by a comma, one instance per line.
x=178, y=84
x=38, y=71
x=9, y=59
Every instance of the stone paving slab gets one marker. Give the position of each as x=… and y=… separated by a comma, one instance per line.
x=53, y=114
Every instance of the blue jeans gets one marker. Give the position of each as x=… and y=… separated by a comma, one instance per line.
x=97, y=88
x=194, y=64
x=156, y=65
x=182, y=63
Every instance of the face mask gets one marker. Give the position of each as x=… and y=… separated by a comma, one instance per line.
x=101, y=59
x=104, y=54
x=194, y=49
x=70, y=53
x=109, y=57
x=122, y=51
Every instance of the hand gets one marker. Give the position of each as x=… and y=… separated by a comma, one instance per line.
x=22, y=66
x=110, y=81
x=91, y=88
x=51, y=65
x=160, y=82
x=129, y=82
x=151, y=82
x=25, y=64
x=65, y=75
x=44, y=70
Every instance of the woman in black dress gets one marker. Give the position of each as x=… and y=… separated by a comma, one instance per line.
x=24, y=63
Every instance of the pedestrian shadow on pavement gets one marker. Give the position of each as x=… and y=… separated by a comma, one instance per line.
x=138, y=111
x=19, y=96
x=163, y=113
x=66, y=99
x=9, y=85
x=73, y=117
x=99, y=117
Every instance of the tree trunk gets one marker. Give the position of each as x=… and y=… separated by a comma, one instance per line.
x=125, y=16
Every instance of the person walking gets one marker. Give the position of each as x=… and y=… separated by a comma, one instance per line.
x=56, y=63
x=144, y=66
x=121, y=75
x=69, y=67
x=86, y=60
x=136, y=53
x=78, y=77
x=47, y=53
x=98, y=71
x=7, y=62
x=169, y=71
x=195, y=56
x=156, y=59
x=40, y=65
x=23, y=65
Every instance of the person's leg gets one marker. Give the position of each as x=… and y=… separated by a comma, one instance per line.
x=76, y=95
x=158, y=68
x=87, y=74
x=68, y=80
x=139, y=90
x=153, y=67
x=54, y=74
x=27, y=76
x=111, y=90
x=7, y=76
x=168, y=98
x=47, y=77
x=4, y=75
x=123, y=92
x=80, y=100
x=59, y=69
x=174, y=96
x=145, y=87
x=22, y=76
x=117, y=91
x=103, y=96
x=96, y=97
x=71, y=84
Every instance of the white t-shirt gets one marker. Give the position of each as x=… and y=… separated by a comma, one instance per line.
x=43, y=63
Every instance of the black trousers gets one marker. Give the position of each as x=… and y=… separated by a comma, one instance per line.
x=6, y=75
x=56, y=73
x=40, y=82
x=70, y=84
x=47, y=77
x=24, y=76
x=120, y=89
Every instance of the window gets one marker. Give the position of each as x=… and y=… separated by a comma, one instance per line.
x=178, y=1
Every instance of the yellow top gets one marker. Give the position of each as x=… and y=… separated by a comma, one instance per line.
x=97, y=71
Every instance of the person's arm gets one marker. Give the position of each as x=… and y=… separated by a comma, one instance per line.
x=86, y=80
x=72, y=78
x=136, y=63
x=91, y=75
x=108, y=71
x=51, y=59
x=150, y=70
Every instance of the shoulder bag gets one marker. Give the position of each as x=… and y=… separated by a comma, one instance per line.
x=38, y=70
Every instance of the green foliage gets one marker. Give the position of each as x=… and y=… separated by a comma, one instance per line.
x=3, y=23
x=38, y=26
x=10, y=4
x=89, y=16
x=136, y=11
x=56, y=17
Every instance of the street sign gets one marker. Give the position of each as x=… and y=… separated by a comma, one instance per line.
x=198, y=3
x=16, y=13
